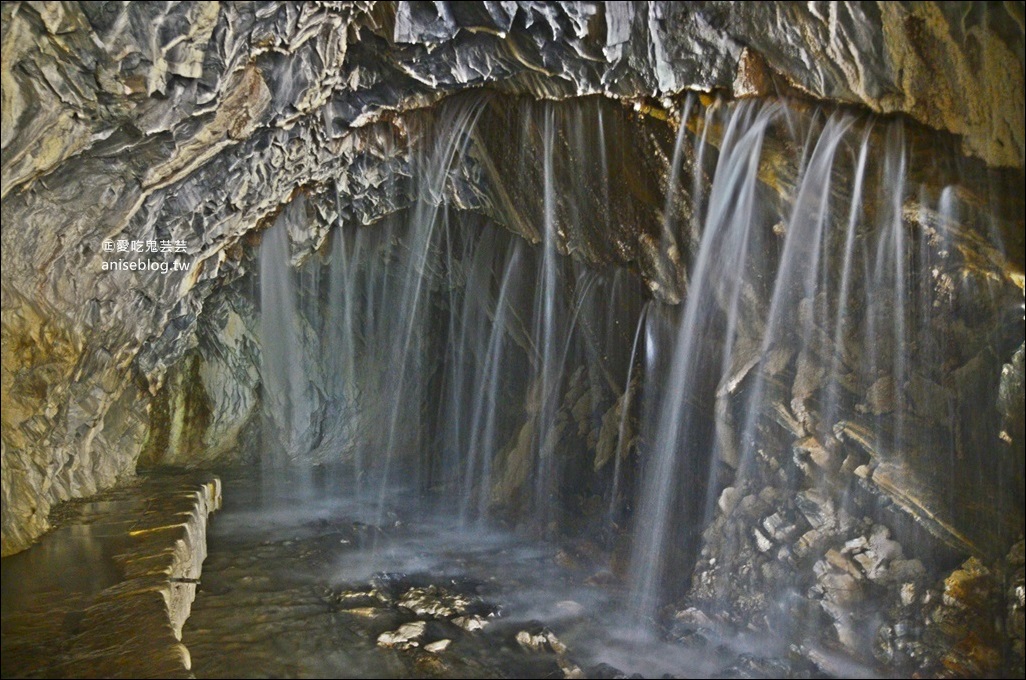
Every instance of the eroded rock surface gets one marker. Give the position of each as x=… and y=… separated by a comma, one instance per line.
x=192, y=123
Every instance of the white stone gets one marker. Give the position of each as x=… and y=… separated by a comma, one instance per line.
x=437, y=646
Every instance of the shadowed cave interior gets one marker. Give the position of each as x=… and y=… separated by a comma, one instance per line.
x=513, y=340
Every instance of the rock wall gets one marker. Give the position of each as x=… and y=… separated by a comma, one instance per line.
x=186, y=126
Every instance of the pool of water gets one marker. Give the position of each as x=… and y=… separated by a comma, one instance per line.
x=311, y=578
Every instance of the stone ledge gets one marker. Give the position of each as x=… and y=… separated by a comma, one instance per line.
x=107, y=592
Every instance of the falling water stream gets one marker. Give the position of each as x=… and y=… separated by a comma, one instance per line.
x=557, y=450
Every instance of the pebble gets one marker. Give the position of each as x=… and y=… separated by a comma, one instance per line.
x=470, y=623
x=532, y=643
x=437, y=646
x=404, y=637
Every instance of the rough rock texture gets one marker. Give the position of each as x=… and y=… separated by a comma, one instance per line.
x=107, y=593
x=844, y=532
x=191, y=127
x=199, y=416
x=194, y=122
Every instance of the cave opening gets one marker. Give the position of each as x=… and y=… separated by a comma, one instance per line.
x=516, y=340
x=489, y=366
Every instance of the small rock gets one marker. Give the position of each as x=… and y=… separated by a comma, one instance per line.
x=434, y=602
x=437, y=646
x=754, y=79
x=967, y=586
x=778, y=527
x=352, y=599
x=750, y=506
x=807, y=542
x=875, y=553
x=430, y=666
x=571, y=671
x=728, y=500
x=555, y=643
x=908, y=593
x=905, y=570
x=404, y=637
x=817, y=507
x=532, y=643
x=824, y=459
x=818, y=453
x=694, y=617
x=840, y=588
x=761, y=542
x=365, y=612
x=470, y=623
x=855, y=545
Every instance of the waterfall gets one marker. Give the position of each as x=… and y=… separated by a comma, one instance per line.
x=487, y=346
x=287, y=387
x=625, y=408
x=675, y=446
x=806, y=379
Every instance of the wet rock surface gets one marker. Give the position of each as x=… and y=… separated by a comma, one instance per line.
x=107, y=593
x=858, y=523
x=190, y=124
